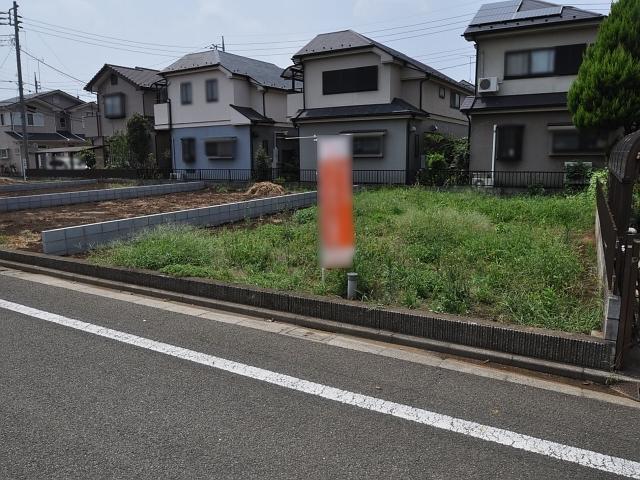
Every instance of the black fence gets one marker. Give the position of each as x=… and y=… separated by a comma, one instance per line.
x=437, y=178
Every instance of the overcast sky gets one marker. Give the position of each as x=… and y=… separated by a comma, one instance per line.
x=78, y=36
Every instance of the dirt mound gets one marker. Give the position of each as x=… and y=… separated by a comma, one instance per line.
x=6, y=181
x=265, y=189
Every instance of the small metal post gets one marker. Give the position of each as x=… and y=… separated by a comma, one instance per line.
x=352, y=285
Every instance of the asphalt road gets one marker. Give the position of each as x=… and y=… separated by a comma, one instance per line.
x=75, y=404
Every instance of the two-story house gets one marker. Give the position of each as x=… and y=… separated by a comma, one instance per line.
x=221, y=108
x=122, y=92
x=528, y=54
x=383, y=98
x=58, y=124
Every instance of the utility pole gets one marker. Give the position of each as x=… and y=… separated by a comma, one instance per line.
x=23, y=107
x=223, y=43
x=35, y=81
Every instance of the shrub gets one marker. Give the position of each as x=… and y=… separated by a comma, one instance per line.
x=88, y=157
x=263, y=169
x=138, y=137
x=118, y=151
x=455, y=150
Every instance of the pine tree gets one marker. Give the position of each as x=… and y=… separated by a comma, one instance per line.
x=606, y=93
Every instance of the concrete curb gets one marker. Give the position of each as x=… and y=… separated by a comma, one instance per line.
x=578, y=350
x=80, y=238
x=533, y=364
x=27, y=202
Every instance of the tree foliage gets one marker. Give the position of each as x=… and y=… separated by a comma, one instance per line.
x=138, y=136
x=606, y=93
x=263, y=169
x=118, y=151
x=88, y=157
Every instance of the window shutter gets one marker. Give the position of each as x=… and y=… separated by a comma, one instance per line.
x=569, y=58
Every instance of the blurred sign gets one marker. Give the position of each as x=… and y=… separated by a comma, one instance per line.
x=335, y=201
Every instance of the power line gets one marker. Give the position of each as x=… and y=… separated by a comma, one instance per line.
x=53, y=68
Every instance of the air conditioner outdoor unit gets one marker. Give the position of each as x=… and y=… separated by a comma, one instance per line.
x=482, y=180
x=488, y=85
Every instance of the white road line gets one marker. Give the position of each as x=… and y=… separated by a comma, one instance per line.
x=586, y=458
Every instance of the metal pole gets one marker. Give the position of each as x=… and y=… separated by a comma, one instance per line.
x=23, y=107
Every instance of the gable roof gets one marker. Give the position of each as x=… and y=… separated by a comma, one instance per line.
x=264, y=73
x=139, y=76
x=516, y=14
x=40, y=96
x=350, y=39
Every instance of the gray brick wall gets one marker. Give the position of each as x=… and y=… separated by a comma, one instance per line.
x=77, y=239
x=27, y=202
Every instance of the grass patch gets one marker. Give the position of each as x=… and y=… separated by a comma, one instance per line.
x=523, y=260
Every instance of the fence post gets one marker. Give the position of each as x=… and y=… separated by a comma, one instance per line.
x=627, y=297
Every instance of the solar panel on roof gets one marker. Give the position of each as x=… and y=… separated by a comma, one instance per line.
x=496, y=12
x=541, y=12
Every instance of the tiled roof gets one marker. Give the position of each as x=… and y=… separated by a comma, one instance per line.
x=397, y=107
x=139, y=76
x=40, y=96
x=252, y=115
x=516, y=14
x=264, y=73
x=349, y=39
x=506, y=102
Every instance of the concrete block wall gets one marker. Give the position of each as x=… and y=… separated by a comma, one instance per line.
x=78, y=239
x=27, y=202
x=21, y=187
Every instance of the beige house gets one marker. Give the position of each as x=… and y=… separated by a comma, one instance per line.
x=122, y=92
x=57, y=125
x=384, y=99
x=528, y=54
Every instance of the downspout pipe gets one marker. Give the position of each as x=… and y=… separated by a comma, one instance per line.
x=428, y=77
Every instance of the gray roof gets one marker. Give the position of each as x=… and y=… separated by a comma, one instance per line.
x=515, y=14
x=506, y=102
x=40, y=96
x=397, y=107
x=264, y=73
x=349, y=39
x=252, y=115
x=139, y=76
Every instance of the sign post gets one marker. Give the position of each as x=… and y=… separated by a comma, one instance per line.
x=335, y=201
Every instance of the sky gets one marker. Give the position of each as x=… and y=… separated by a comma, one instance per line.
x=74, y=38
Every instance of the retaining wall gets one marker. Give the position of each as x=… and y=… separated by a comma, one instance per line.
x=582, y=350
x=21, y=187
x=77, y=239
x=27, y=202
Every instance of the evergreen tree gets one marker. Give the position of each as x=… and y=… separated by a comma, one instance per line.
x=606, y=93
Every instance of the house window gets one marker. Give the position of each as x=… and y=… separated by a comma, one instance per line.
x=509, y=142
x=186, y=96
x=454, y=100
x=4, y=153
x=212, y=90
x=63, y=122
x=2, y=121
x=220, y=148
x=188, y=150
x=544, y=62
x=442, y=92
x=570, y=141
x=360, y=79
x=114, y=105
x=30, y=119
x=113, y=78
x=368, y=144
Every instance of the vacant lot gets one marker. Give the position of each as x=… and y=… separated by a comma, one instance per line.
x=525, y=260
x=21, y=229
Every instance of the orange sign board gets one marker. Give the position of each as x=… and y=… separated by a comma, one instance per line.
x=335, y=201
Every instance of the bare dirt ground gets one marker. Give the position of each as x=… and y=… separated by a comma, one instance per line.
x=76, y=188
x=21, y=229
